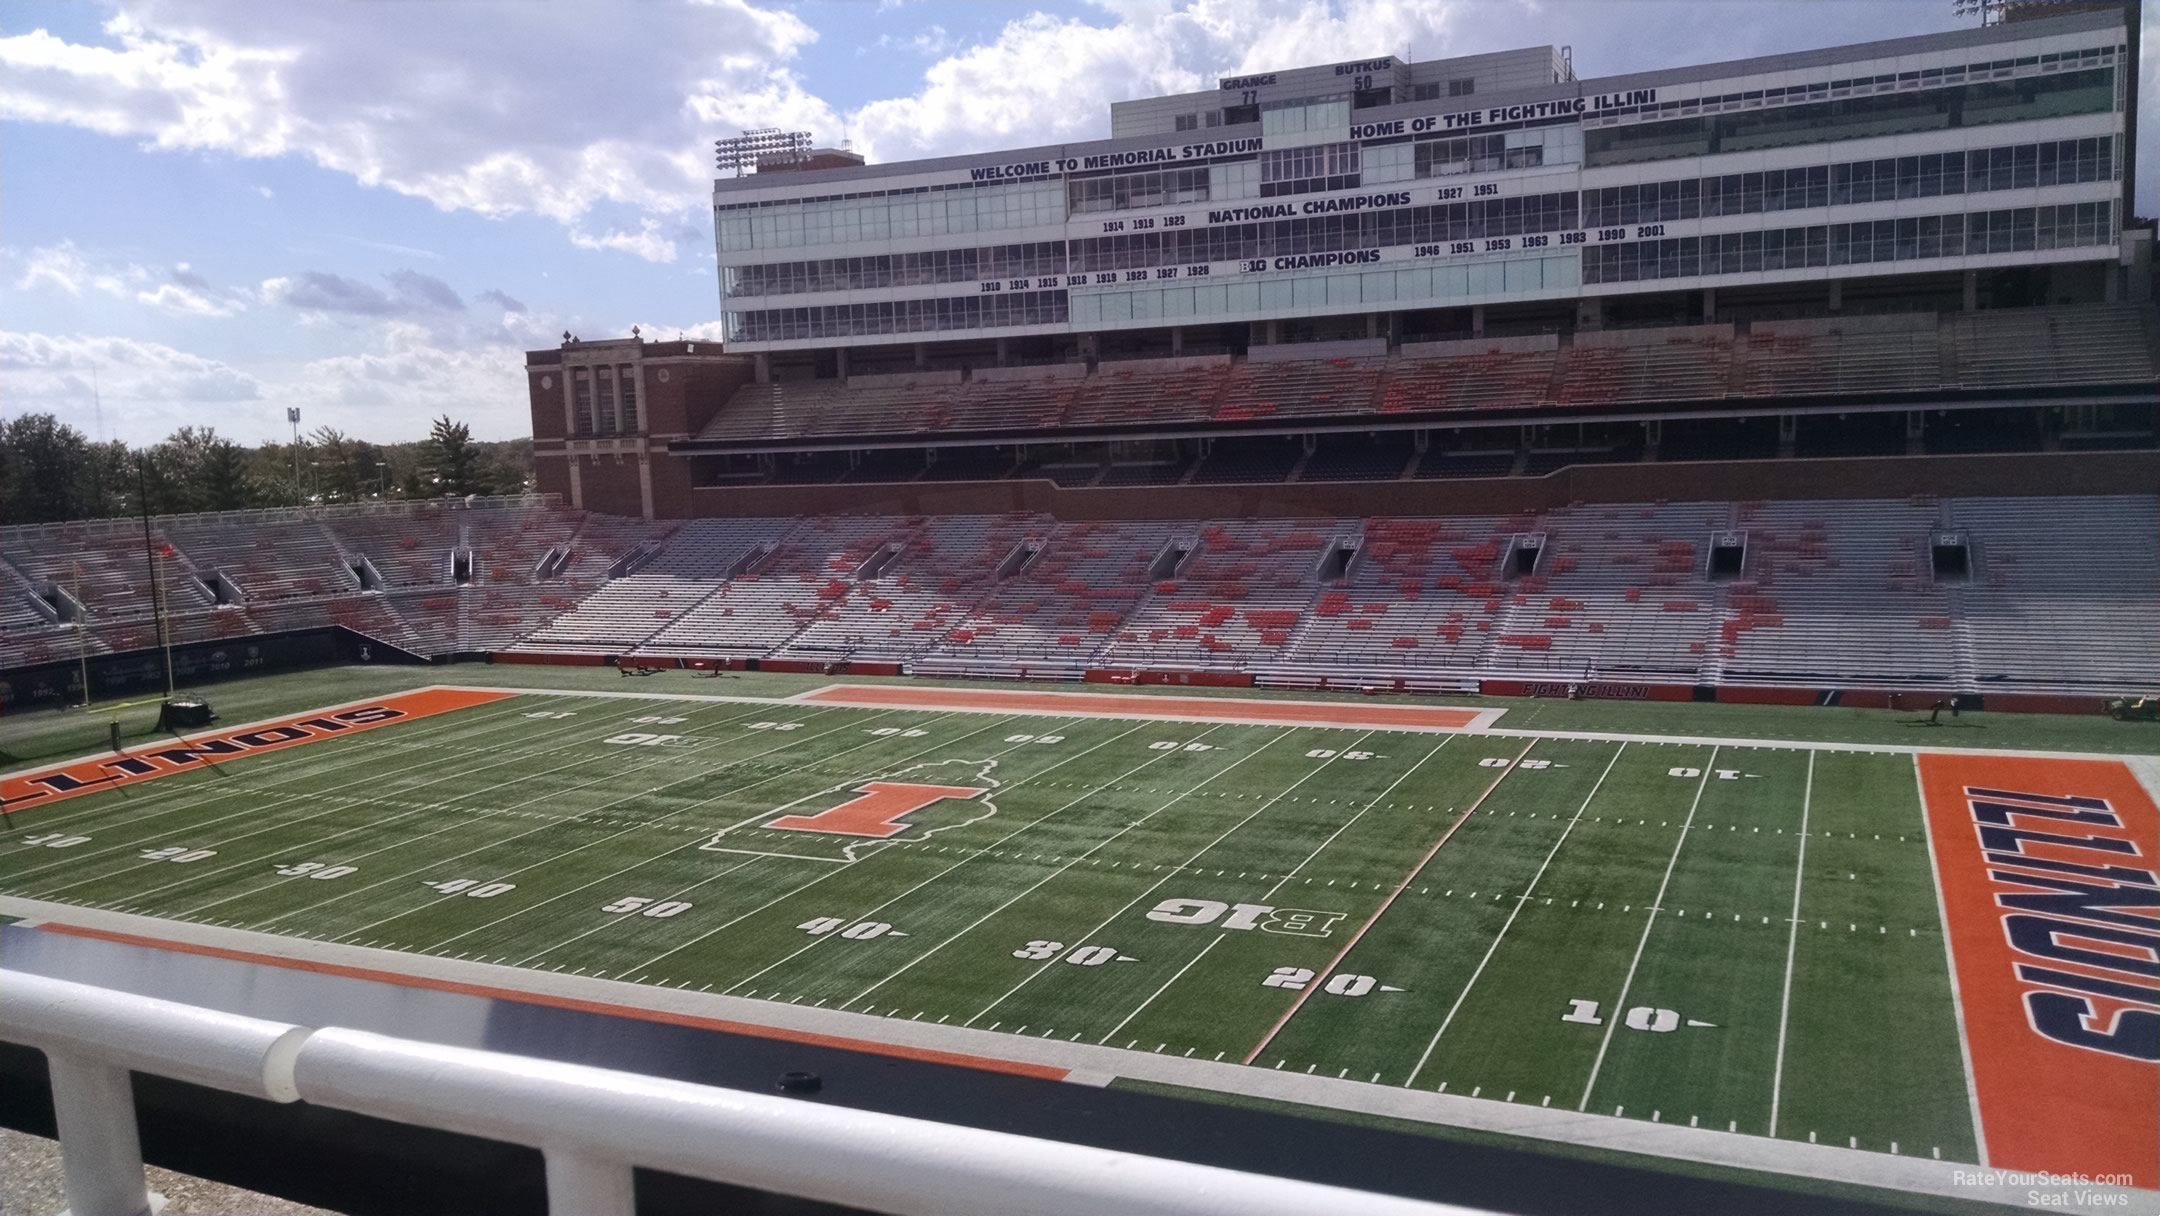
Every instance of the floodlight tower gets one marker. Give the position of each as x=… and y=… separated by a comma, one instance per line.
x=762, y=146
x=292, y=415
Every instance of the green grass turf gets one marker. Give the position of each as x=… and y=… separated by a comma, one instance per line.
x=1592, y=878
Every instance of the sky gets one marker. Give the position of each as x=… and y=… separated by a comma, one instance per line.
x=211, y=210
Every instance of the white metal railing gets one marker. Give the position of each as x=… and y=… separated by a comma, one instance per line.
x=593, y=1125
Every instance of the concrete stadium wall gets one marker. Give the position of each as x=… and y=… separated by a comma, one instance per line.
x=2012, y=475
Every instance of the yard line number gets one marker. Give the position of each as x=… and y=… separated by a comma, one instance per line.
x=471, y=888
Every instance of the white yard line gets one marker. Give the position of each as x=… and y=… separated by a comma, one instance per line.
x=616, y=920
x=496, y=811
x=973, y=854
x=207, y=794
x=152, y=797
x=1166, y=985
x=694, y=847
x=1657, y=904
x=615, y=835
x=1295, y=870
x=1509, y=923
x=790, y=893
x=1176, y=869
x=1305, y=993
x=1792, y=946
x=1957, y=999
x=336, y=806
x=972, y=925
x=243, y=727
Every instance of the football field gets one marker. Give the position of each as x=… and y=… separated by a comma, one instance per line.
x=1736, y=937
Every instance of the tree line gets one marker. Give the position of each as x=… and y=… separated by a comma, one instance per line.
x=50, y=471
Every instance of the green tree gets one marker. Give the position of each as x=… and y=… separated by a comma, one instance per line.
x=227, y=484
x=105, y=483
x=43, y=460
x=334, y=459
x=453, y=459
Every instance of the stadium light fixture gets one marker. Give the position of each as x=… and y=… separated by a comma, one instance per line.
x=760, y=147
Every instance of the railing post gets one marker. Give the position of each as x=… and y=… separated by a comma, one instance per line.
x=578, y=1185
x=100, y=1151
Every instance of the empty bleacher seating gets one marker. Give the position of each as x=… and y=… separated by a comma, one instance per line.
x=1857, y=354
x=1837, y=592
x=1854, y=353
x=1238, y=599
x=2061, y=592
x=1683, y=363
x=1474, y=374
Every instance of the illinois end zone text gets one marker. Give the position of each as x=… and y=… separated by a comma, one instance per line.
x=41, y=787
x=2052, y=903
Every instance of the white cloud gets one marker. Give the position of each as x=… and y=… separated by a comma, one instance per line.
x=64, y=268
x=1046, y=79
x=187, y=302
x=481, y=114
x=319, y=291
x=55, y=372
x=388, y=391
x=384, y=392
x=929, y=42
x=647, y=242
x=703, y=331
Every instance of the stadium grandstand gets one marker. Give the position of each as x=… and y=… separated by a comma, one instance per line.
x=1358, y=404
x=1762, y=373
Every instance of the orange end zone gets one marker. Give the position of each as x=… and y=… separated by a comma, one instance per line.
x=42, y=787
x=2047, y=870
x=753, y=1029
x=1112, y=705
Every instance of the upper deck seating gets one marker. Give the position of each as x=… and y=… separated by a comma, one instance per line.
x=2090, y=344
x=1298, y=388
x=1837, y=355
x=1150, y=390
x=1683, y=363
x=1475, y=374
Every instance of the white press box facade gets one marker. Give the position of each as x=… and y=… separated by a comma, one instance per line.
x=1379, y=186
